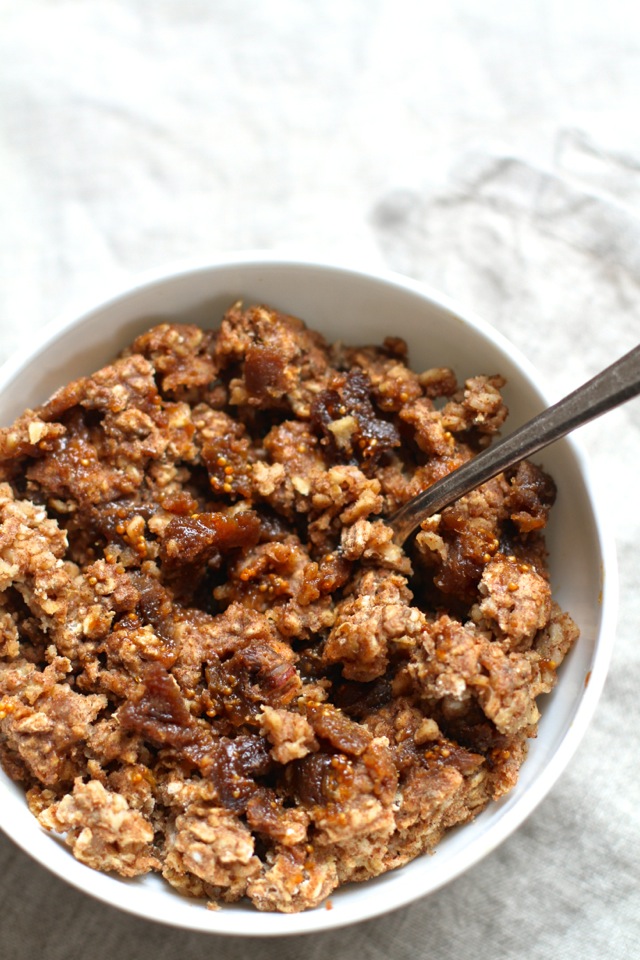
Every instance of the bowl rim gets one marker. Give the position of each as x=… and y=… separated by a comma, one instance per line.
x=225, y=922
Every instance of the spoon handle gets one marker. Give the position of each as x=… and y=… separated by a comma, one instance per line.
x=614, y=386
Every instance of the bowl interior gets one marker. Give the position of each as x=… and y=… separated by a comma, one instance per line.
x=355, y=307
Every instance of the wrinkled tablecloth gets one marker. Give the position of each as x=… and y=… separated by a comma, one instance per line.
x=491, y=149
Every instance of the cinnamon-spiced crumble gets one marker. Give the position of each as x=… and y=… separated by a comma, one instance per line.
x=214, y=662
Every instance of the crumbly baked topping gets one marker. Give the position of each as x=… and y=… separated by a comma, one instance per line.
x=214, y=662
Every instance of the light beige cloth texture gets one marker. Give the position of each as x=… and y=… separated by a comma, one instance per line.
x=491, y=149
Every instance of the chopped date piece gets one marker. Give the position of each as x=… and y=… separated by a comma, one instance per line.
x=531, y=497
x=358, y=700
x=233, y=767
x=331, y=724
x=215, y=663
x=264, y=372
x=392, y=382
x=345, y=415
x=226, y=460
x=258, y=673
x=159, y=712
x=321, y=777
x=192, y=541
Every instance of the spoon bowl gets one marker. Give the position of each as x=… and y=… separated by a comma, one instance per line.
x=359, y=307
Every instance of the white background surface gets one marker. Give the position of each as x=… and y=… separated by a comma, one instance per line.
x=491, y=148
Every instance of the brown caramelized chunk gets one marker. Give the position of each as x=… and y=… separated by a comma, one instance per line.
x=215, y=664
x=351, y=426
x=157, y=712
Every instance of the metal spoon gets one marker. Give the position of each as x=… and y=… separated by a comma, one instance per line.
x=614, y=386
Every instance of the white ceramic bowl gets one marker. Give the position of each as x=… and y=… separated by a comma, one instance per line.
x=357, y=307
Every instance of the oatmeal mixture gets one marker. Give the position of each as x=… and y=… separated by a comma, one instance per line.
x=214, y=662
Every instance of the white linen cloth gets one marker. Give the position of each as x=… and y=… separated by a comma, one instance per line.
x=491, y=149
